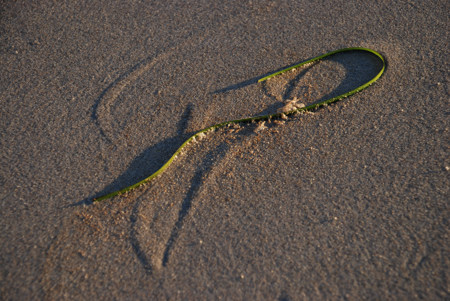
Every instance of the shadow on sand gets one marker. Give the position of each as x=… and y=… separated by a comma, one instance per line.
x=360, y=67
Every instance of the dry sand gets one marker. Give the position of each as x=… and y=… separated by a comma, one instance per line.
x=349, y=202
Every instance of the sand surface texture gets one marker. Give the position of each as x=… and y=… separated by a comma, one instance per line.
x=348, y=202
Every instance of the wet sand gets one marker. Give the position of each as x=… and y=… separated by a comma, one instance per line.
x=347, y=202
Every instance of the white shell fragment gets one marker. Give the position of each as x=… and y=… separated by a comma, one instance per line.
x=261, y=126
x=201, y=136
x=291, y=105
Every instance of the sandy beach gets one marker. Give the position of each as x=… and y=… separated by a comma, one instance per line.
x=344, y=203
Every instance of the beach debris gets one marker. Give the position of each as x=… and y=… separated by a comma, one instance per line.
x=234, y=128
x=300, y=105
x=291, y=105
x=200, y=136
x=261, y=127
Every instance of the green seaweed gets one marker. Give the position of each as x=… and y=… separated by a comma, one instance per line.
x=260, y=118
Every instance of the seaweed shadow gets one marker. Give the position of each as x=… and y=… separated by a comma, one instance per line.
x=148, y=161
x=153, y=157
x=353, y=61
x=360, y=67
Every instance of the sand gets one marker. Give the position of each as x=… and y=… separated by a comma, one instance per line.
x=348, y=202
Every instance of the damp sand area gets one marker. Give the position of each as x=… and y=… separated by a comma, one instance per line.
x=346, y=202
